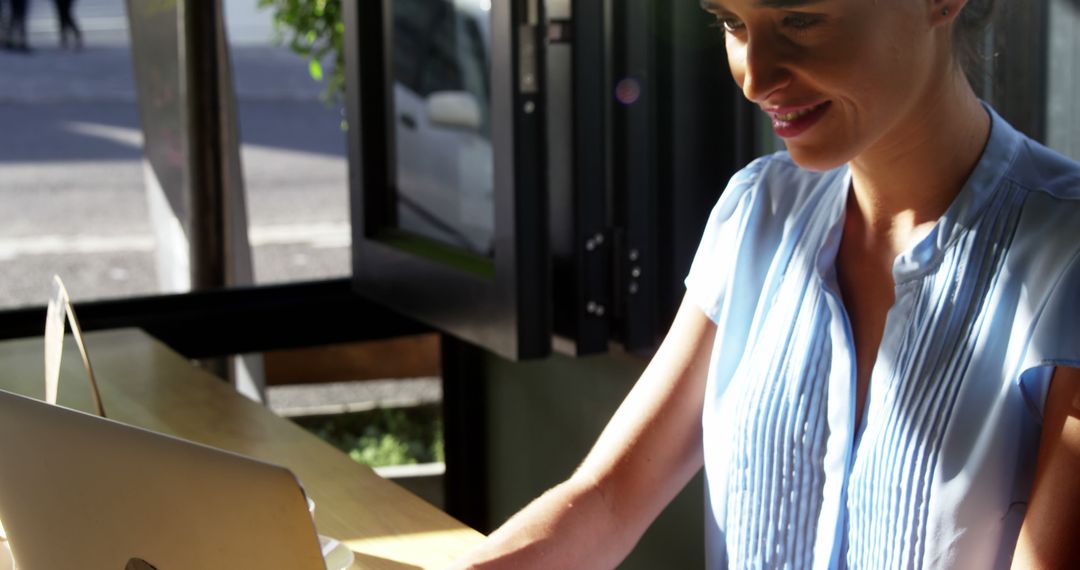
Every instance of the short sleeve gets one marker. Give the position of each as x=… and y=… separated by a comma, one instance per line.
x=1055, y=336
x=712, y=270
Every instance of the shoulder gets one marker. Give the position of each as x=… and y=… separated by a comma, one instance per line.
x=772, y=200
x=1038, y=172
x=1048, y=187
x=1042, y=170
x=765, y=209
x=778, y=174
x=778, y=183
x=1045, y=253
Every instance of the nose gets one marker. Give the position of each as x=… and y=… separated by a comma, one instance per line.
x=759, y=67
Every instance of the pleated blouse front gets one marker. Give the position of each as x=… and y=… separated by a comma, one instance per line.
x=939, y=471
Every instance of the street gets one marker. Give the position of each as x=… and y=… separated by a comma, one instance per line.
x=71, y=171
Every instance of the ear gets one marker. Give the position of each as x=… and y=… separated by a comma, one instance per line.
x=944, y=12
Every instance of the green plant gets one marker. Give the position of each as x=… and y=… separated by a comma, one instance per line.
x=383, y=437
x=314, y=29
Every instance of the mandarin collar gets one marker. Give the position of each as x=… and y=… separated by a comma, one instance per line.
x=963, y=214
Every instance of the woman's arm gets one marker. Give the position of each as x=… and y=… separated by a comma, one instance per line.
x=645, y=455
x=1050, y=536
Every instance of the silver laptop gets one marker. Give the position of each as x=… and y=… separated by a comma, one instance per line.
x=82, y=492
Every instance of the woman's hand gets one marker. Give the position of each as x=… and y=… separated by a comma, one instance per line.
x=1049, y=537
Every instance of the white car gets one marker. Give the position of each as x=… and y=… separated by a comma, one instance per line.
x=442, y=131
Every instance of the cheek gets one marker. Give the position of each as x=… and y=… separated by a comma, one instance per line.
x=887, y=76
x=890, y=60
x=736, y=60
x=853, y=67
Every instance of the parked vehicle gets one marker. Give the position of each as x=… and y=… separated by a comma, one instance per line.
x=442, y=122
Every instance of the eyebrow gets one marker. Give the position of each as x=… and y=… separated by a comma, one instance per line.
x=714, y=5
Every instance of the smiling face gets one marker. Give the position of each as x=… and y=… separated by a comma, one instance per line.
x=838, y=77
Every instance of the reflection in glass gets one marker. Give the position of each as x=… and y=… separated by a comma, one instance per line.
x=442, y=121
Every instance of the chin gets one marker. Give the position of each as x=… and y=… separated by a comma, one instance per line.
x=816, y=160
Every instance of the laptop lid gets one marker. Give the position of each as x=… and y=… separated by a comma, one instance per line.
x=78, y=491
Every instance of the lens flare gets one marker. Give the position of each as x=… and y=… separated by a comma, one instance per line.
x=628, y=91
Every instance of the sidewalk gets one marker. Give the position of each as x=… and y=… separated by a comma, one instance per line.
x=104, y=73
x=104, y=23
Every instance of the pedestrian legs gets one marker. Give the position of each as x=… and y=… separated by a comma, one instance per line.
x=17, y=26
x=68, y=27
x=5, y=17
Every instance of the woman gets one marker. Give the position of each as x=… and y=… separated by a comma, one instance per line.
x=876, y=360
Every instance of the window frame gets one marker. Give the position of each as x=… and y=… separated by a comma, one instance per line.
x=509, y=312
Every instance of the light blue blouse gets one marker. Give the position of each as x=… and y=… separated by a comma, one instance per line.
x=939, y=472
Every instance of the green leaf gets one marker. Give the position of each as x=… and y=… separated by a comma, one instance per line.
x=313, y=29
x=315, y=69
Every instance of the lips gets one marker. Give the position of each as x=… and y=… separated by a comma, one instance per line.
x=792, y=121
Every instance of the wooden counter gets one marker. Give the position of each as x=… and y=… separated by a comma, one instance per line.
x=146, y=384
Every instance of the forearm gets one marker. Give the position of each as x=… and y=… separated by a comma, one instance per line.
x=570, y=526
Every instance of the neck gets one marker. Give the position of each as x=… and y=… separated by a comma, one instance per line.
x=906, y=181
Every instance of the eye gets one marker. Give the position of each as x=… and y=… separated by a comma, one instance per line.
x=729, y=24
x=799, y=21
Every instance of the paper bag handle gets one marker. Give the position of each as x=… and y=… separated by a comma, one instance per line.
x=59, y=308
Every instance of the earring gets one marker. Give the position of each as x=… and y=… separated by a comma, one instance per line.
x=945, y=12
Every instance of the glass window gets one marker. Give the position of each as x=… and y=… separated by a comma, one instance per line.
x=443, y=163
x=79, y=189
x=1063, y=77
x=71, y=170
x=292, y=148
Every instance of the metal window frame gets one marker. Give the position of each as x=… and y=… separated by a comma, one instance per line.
x=508, y=313
x=237, y=320
x=578, y=177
